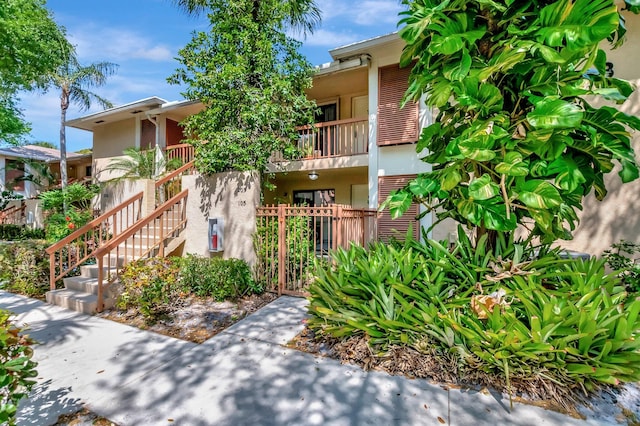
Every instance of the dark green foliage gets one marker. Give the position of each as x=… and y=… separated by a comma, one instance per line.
x=67, y=209
x=17, y=370
x=76, y=195
x=158, y=286
x=221, y=279
x=31, y=46
x=518, y=313
x=248, y=73
x=6, y=197
x=623, y=259
x=153, y=286
x=24, y=267
x=16, y=232
x=515, y=138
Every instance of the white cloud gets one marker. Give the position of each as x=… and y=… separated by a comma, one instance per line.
x=365, y=13
x=374, y=12
x=117, y=45
x=330, y=38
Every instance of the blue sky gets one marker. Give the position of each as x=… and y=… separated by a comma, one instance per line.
x=144, y=36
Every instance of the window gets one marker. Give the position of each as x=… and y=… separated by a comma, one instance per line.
x=314, y=198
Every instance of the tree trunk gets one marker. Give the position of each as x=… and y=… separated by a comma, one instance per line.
x=64, y=104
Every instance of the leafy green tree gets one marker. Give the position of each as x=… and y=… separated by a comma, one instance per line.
x=517, y=139
x=74, y=81
x=31, y=46
x=250, y=76
x=44, y=144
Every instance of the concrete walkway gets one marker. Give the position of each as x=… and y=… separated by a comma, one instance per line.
x=243, y=376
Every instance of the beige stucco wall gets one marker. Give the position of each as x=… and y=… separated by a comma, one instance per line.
x=114, y=193
x=33, y=212
x=110, y=140
x=234, y=196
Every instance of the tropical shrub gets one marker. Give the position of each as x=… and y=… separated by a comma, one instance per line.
x=10, y=232
x=515, y=139
x=141, y=164
x=221, y=279
x=153, y=286
x=17, y=370
x=623, y=258
x=24, y=267
x=512, y=312
x=67, y=210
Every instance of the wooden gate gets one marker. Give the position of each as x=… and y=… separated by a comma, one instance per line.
x=291, y=240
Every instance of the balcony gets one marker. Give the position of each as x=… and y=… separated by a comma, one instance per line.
x=342, y=138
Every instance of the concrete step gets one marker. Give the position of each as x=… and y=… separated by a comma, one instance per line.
x=76, y=300
x=86, y=285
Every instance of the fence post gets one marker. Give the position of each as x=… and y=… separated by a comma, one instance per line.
x=282, y=247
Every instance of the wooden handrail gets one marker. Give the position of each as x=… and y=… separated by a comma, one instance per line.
x=332, y=123
x=177, y=146
x=94, y=223
x=174, y=173
x=82, y=243
x=11, y=211
x=114, y=243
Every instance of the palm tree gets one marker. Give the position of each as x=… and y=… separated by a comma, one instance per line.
x=302, y=15
x=74, y=80
x=140, y=164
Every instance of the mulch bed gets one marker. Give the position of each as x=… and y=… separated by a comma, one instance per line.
x=197, y=319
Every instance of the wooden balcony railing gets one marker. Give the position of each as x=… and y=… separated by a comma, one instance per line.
x=76, y=248
x=184, y=151
x=147, y=237
x=170, y=185
x=340, y=138
x=14, y=215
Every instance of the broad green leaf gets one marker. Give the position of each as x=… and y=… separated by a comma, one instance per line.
x=555, y=114
x=450, y=177
x=423, y=186
x=568, y=173
x=483, y=188
x=428, y=133
x=470, y=211
x=458, y=71
x=539, y=194
x=512, y=165
x=398, y=203
x=478, y=148
x=495, y=217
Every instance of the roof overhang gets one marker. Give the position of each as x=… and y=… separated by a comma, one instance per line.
x=362, y=47
x=119, y=113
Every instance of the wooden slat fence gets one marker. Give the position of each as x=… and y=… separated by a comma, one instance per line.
x=290, y=239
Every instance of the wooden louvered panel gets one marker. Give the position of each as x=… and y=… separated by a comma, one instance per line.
x=395, y=125
x=397, y=228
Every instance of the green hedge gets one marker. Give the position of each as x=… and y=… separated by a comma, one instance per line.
x=158, y=286
x=24, y=267
x=10, y=232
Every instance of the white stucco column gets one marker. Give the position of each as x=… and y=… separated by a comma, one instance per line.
x=373, y=135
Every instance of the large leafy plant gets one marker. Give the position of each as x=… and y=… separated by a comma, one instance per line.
x=515, y=139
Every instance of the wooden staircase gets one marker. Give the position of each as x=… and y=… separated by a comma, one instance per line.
x=123, y=234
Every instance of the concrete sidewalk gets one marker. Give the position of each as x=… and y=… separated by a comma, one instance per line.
x=243, y=376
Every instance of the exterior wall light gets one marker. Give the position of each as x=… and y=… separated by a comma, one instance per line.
x=313, y=175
